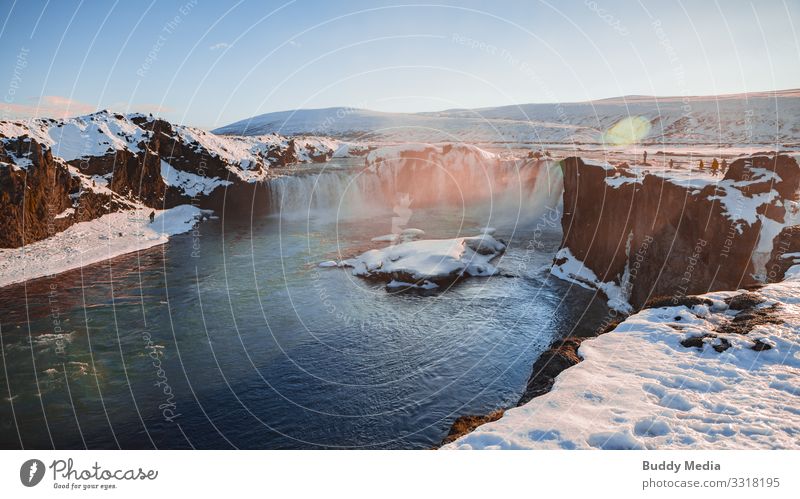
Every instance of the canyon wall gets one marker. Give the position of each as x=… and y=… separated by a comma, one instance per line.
x=638, y=233
x=54, y=173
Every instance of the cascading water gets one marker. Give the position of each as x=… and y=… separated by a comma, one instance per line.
x=327, y=194
x=482, y=185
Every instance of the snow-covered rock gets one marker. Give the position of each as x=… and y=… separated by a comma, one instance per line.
x=429, y=263
x=102, y=162
x=654, y=232
x=569, y=268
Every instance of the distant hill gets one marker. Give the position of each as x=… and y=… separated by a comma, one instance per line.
x=741, y=119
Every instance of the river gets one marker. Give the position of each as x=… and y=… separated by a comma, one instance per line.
x=232, y=336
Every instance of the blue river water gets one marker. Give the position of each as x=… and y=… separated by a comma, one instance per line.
x=233, y=337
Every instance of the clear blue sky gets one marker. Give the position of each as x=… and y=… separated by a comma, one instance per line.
x=223, y=61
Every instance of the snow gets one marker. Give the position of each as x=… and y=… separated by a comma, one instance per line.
x=739, y=207
x=347, y=150
x=103, y=133
x=190, y=184
x=94, y=135
x=602, y=164
x=756, y=118
x=66, y=213
x=573, y=270
x=247, y=152
x=80, y=137
x=386, y=238
x=619, y=180
x=427, y=261
x=90, y=242
x=692, y=179
x=233, y=150
x=639, y=388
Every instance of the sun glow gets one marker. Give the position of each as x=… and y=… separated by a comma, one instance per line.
x=628, y=131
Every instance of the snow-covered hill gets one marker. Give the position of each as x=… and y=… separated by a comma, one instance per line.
x=766, y=118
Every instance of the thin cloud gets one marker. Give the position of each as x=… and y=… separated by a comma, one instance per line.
x=219, y=46
x=56, y=106
x=50, y=106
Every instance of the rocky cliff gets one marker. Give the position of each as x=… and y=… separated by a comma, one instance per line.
x=54, y=173
x=637, y=232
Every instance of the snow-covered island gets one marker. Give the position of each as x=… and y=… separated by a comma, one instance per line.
x=427, y=264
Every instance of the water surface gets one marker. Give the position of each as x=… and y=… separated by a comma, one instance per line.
x=233, y=337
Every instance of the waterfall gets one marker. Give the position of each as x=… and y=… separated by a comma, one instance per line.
x=485, y=186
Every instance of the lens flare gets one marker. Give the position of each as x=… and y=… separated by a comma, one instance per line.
x=628, y=131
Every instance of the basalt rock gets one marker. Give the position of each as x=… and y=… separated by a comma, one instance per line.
x=655, y=237
x=561, y=355
x=31, y=195
x=785, y=249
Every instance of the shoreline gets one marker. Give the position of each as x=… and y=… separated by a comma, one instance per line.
x=677, y=369
x=559, y=356
x=87, y=243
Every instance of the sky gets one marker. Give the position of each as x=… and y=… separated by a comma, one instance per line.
x=209, y=63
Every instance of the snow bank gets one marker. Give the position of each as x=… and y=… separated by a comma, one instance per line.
x=86, y=243
x=190, y=184
x=639, y=388
x=567, y=267
x=429, y=263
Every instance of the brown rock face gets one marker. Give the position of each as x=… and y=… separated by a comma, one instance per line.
x=561, y=355
x=657, y=238
x=785, y=244
x=31, y=198
x=467, y=424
